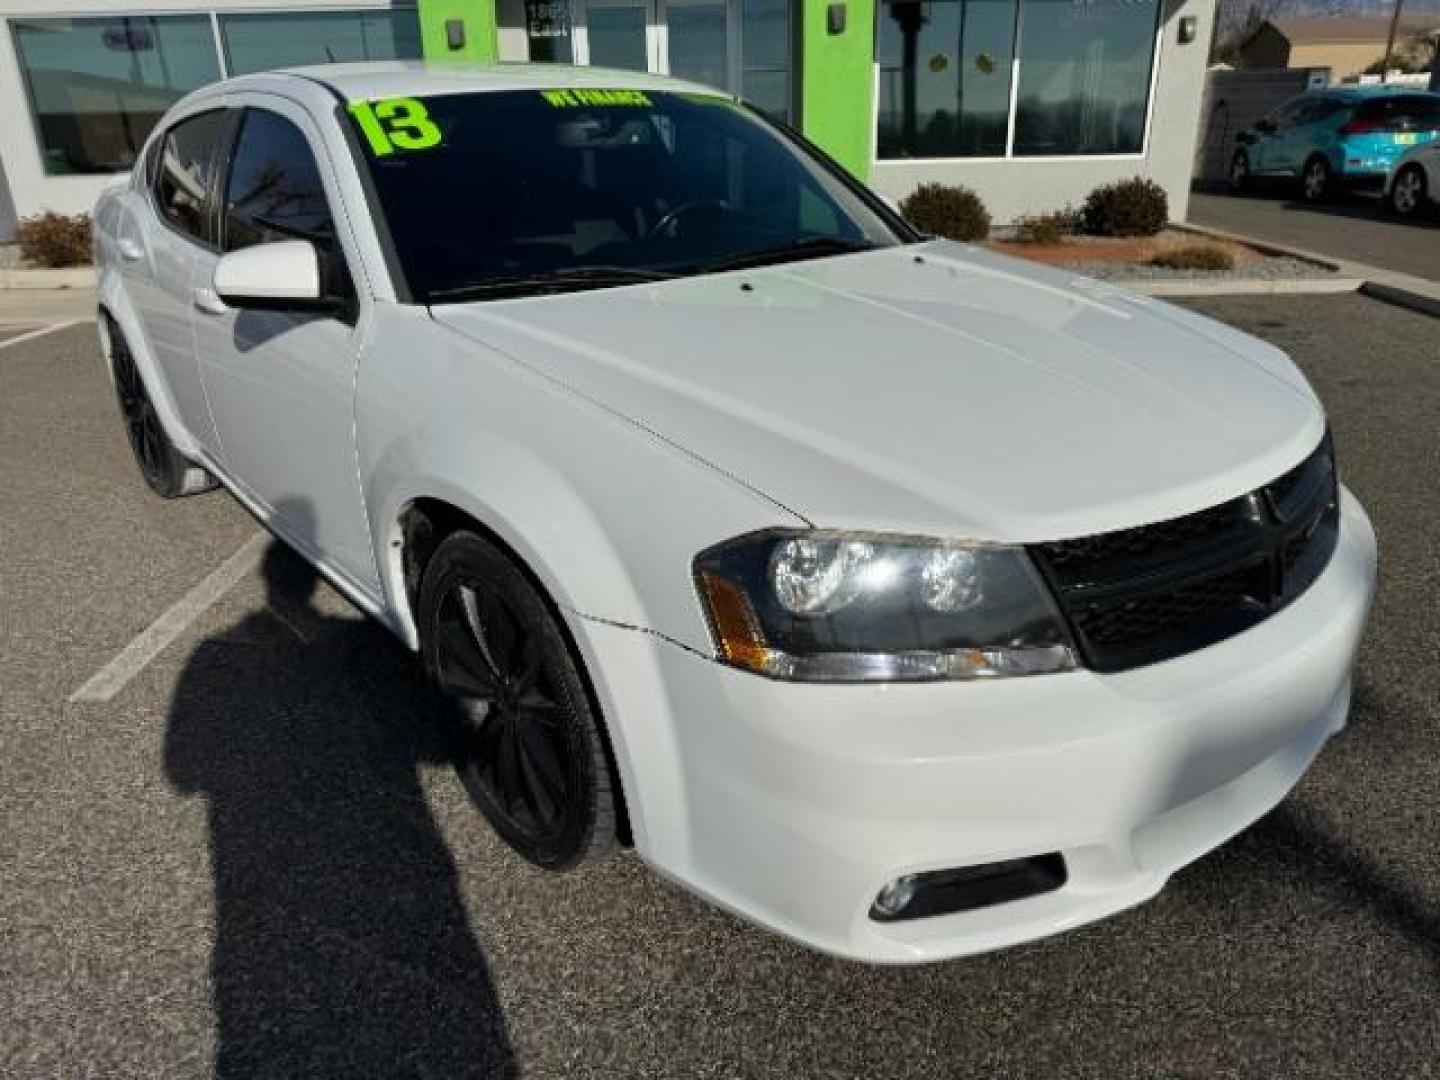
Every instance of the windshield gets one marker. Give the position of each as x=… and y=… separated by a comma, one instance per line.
x=512, y=193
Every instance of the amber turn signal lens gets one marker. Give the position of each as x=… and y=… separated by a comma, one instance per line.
x=736, y=629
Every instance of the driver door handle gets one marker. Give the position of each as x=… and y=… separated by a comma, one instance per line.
x=208, y=301
x=130, y=250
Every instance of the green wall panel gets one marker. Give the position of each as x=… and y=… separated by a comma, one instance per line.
x=479, y=19
x=837, y=82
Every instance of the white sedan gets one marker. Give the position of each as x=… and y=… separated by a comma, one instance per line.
x=1413, y=183
x=903, y=598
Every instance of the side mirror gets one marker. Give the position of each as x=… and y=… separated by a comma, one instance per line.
x=283, y=276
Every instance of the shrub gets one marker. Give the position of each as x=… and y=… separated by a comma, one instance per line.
x=52, y=239
x=953, y=212
x=1048, y=228
x=1136, y=207
x=1196, y=257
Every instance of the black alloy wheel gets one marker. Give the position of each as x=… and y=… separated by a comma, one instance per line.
x=1316, y=180
x=167, y=472
x=142, y=426
x=1240, y=171
x=517, y=713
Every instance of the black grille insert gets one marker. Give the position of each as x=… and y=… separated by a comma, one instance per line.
x=1142, y=595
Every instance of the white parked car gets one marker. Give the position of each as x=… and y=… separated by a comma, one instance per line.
x=1413, y=183
x=901, y=597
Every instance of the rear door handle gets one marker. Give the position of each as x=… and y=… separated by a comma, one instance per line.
x=208, y=301
x=130, y=250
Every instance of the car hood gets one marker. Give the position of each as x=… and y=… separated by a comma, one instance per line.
x=934, y=388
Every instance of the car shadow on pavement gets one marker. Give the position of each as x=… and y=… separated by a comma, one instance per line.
x=1295, y=841
x=342, y=946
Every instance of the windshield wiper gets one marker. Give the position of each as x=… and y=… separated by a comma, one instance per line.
x=808, y=247
x=570, y=279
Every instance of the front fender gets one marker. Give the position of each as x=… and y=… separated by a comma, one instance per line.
x=607, y=516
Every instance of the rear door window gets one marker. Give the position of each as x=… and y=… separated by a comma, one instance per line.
x=185, y=174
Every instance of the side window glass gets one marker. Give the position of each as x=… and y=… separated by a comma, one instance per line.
x=185, y=170
x=1284, y=117
x=274, y=191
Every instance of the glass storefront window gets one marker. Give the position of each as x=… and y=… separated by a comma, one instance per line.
x=1084, y=76
x=945, y=70
x=946, y=67
x=98, y=86
x=699, y=42
x=295, y=38
x=765, y=55
x=617, y=36
x=547, y=27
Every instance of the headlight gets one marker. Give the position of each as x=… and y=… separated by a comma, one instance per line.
x=817, y=606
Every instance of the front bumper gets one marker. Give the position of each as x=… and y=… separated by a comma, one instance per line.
x=793, y=804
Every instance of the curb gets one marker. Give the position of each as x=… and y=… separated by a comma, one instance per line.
x=75, y=277
x=1247, y=287
x=1390, y=286
x=1401, y=297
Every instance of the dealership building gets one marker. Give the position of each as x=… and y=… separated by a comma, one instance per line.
x=1030, y=102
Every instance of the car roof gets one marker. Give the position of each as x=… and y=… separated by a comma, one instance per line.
x=420, y=78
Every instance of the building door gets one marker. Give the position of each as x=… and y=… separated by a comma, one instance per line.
x=623, y=34
x=690, y=39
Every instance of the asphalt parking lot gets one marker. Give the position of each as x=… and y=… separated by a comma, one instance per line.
x=250, y=861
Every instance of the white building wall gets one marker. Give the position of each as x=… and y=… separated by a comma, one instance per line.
x=1016, y=186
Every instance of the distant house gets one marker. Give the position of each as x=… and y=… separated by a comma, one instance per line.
x=1347, y=45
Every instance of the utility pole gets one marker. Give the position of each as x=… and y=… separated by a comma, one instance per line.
x=1390, y=41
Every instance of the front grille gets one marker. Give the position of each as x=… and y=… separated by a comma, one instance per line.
x=1139, y=596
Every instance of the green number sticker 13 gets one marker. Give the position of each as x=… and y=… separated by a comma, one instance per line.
x=395, y=124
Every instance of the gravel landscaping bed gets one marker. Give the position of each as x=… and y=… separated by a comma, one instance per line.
x=1130, y=259
x=1270, y=268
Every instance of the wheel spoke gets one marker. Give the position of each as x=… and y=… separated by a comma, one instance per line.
x=536, y=783
x=502, y=632
x=507, y=765
x=463, y=671
x=528, y=663
x=475, y=624
x=543, y=761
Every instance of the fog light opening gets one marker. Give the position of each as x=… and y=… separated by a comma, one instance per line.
x=965, y=888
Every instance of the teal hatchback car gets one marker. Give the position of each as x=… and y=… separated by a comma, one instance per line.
x=1340, y=137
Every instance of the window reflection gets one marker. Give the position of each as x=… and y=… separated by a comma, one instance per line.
x=1084, y=76
x=98, y=86
x=946, y=66
x=291, y=39
x=945, y=70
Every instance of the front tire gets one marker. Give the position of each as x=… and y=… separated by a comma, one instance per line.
x=1409, y=194
x=525, y=739
x=167, y=472
x=1316, y=180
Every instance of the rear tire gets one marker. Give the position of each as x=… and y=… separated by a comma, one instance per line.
x=1316, y=180
x=515, y=707
x=167, y=472
x=1409, y=193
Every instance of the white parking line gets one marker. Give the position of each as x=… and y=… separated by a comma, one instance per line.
x=33, y=334
x=151, y=642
